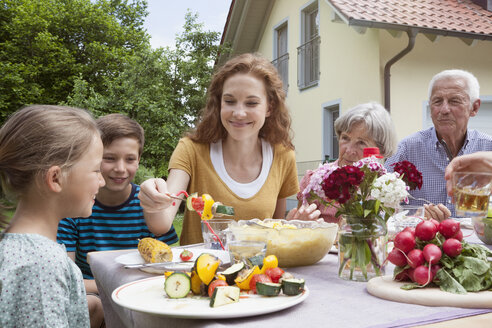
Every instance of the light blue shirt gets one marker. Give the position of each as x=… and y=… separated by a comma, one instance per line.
x=425, y=151
x=40, y=286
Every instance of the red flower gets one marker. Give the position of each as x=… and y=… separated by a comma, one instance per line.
x=342, y=182
x=411, y=176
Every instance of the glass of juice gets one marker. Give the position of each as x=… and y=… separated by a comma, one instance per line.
x=471, y=191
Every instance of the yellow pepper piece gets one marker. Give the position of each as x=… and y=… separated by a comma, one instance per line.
x=208, y=201
x=243, y=282
x=269, y=262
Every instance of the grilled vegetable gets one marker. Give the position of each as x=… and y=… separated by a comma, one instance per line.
x=206, y=266
x=292, y=286
x=231, y=272
x=244, y=277
x=154, y=251
x=268, y=288
x=224, y=295
x=177, y=285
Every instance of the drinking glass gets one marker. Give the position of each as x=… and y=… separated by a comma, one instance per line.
x=408, y=216
x=221, y=229
x=471, y=191
x=248, y=246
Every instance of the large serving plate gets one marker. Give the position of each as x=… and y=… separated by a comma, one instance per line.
x=386, y=288
x=148, y=296
x=135, y=258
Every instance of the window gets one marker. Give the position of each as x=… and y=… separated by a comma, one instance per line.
x=308, y=52
x=281, y=54
x=330, y=141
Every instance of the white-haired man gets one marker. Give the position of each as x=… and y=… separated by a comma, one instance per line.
x=453, y=99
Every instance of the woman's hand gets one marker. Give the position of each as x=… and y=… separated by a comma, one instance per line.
x=438, y=212
x=306, y=213
x=153, y=195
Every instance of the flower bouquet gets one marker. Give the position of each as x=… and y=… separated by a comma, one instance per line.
x=366, y=196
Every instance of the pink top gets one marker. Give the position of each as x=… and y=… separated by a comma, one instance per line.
x=327, y=212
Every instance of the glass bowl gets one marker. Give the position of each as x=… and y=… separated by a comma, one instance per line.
x=295, y=242
x=483, y=229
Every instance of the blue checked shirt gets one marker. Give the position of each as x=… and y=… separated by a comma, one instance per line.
x=425, y=151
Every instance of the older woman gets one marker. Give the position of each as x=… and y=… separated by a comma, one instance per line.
x=365, y=125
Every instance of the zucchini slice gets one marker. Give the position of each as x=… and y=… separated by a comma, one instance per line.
x=292, y=287
x=268, y=288
x=231, y=272
x=177, y=285
x=189, y=206
x=224, y=295
x=218, y=209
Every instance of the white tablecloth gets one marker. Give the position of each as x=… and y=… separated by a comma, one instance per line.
x=332, y=302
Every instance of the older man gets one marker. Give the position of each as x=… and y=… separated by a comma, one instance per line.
x=453, y=99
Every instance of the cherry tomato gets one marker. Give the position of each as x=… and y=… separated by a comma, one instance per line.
x=258, y=278
x=197, y=203
x=186, y=255
x=275, y=274
x=215, y=283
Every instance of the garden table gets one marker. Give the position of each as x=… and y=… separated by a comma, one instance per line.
x=332, y=302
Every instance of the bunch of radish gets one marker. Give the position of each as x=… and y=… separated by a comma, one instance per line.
x=417, y=252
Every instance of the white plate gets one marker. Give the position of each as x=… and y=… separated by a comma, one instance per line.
x=148, y=296
x=135, y=258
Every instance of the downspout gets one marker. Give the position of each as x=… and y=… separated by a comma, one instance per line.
x=412, y=34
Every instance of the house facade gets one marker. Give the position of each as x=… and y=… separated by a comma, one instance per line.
x=335, y=54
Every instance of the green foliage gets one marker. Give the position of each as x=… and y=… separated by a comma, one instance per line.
x=96, y=55
x=45, y=45
x=143, y=174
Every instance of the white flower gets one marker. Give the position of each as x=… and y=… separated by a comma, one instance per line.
x=389, y=189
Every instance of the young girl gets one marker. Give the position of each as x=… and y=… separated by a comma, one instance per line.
x=50, y=157
x=241, y=152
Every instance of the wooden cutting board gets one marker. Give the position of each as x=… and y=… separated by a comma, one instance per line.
x=386, y=288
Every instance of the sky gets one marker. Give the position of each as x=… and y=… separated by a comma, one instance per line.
x=166, y=18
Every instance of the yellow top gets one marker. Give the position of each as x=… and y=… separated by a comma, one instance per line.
x=194, y=159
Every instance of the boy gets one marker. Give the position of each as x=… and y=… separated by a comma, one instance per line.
x=117, y=220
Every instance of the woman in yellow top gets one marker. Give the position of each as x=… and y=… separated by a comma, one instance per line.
x=240, y=152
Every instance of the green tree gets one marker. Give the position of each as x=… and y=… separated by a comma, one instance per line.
x=45, y=45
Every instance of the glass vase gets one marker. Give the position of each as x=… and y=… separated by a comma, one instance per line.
x=362, y=248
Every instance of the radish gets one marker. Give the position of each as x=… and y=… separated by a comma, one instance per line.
x=410, y=229
x=410, y=273
x=423, y=275
x=459, y=235
x=425, y=230
x=402, y=276
x=449, y=228
x=434, y=269
x=452, y=247
x=432, y=253
x=404, y=241
x=436, y=223
x=397, y=257
x=415, y=258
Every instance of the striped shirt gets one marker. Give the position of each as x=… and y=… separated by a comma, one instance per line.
x=108, y=228
x=425, y=151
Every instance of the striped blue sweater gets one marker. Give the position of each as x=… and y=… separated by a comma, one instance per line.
x=108, y=228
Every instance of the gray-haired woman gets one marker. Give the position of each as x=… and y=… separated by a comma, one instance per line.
x=365, y=125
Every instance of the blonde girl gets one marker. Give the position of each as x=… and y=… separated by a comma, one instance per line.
x=50, y=158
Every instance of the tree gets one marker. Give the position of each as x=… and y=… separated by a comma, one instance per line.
x=45, y=45
x=162, y=89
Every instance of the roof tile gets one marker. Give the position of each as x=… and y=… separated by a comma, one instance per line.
x=450, y=15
